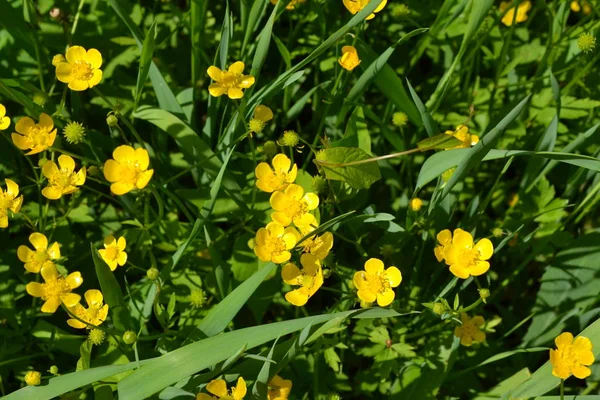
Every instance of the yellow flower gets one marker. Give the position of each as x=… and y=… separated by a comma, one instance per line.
x=349, y=59
x=63, y=180
x=522, y=10
x=291, y=5
x=128, y=169
x=279, y=388
x=310, y=279
x=262, y=114
x=444, y=238
x=415, y=204
x=113, y=252
x=230, y=82
x=42, y=255
x=81, y=69
x=470, y=331
x=4, y=120
x=34, y=137
x=95, y=314
x=9, y=201
x=354, y=6
x=318, y=246
x=576, y=6
x=462, y=134
x=571, y=357
x=56, y=289
x=292, y=205
x=466, y=258
x=33, y=378
x=274, y=242
x=218, y=387
x=277, y=178
x=376, y=282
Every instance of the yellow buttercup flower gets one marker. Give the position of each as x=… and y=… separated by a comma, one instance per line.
x=277, y=178
x=578, y=5
x=230, y=82
x=444, y=238
x=318, y=246
x=470, y=331
x=571, y=357
x=310, y=279
x=81, y=69
x=354, y=6
x=349, y=59
x=4, y=120
x=292, y=205
x=466, y=258
x=522, y=10
x=33, y=378
x=291, y=5
x=262, y=114
x=273, y=242
x=376, y=283
x=95, y=314
x=56, y=289
x=128, y=170
x=279, y=388
x=218, y=387
x=462, y=133
x=34, y=137
x=9, y=201
x=113, y=252
x=62, y=178
x=42, y=255
x=415, y=204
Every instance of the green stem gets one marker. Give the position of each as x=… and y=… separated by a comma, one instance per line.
x=562, y=389
x=68, y=153
x=472, y=306
x=121, y=117
x=76, y=20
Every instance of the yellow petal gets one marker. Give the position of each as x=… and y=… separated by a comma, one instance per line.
x=303, y=221
x=262, y=113
x=290, y=239
x=50, y=169
x=444, y=237
x=479, y=336
x=478, y=320
x=74, y=280
x=312, y=200
x=289, y=273
x=586, y=357
x=70, y=299
x=380, y=6
x=76, y=324
x=217, y=387
x=49, y=273
x=78, y=85
x=394, y=276
x=122, y=259
x=4, y=123
x=3, y=110
x=204, y=396
x=466, y=340
x=123, y=154
x=20, y=141
x=35, y=289
x=279, y=201
x=485, y=249
x=94, y=298
x=462, y=240
x=141, y=156
x=439, y=253
x=581, y=343
x=239, y=391
x=39, y=241
x=294, y=192
x=215, y=73
x=581, y=372
x=24, y=125
x=16, y=204
x=94, y=57
x=46, y=121
x=81, y=175
x=246, y=81
x=291, y=176
x=367, y=295
x=263, y=171
x=236, y=68
x=51, y=305
x=96, y=78
x=112, y=171
x=298, y=297
x=76, y=53
x=479, y=268
x=275, y=229
x=561, y=371
x=102, y=313
x=385, y=298
x=235, y=93
x=110, y=241
x=64, y=72
x=310, y=264
x=216, y=90
x=24, y=253
x=262, y=253
x=564, y=339
x=359, y=280
x=121, y=188
x=451, y=254
x=144, y=178
x=281, y=163
x=52, y=192
x=459, y=271
x=12, y=189
x=66, y=162
x=374, y=266
x=54, y=251
x=281, y=218
x=281, y=257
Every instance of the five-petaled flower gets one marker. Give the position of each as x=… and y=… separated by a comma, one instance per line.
x=34, y=137
x=376, y=283
x=95, y=314
x=349, y=59
x=128, y=170
x=42, y=255
x=309, y=278
x=571, y=357
x=218, y=387
x=279, y=388
x=292, y=205
x=522, y=10
x=113, y=252
x=462, y=133
x=81, y=68
x=354, y=6
x=277, y=178
x=262, y=114
x=230, y=82
x=55, y=288
x=466, y=258
x=62, y=178
x=9, y=201
x=469, y=331
x=4, y=120
x=274, y=242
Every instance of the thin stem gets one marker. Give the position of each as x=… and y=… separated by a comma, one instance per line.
x=121, y=117
x=373, y=159
x=472, y=306
x=76, y=20
x=562, y=389
x=68, y=153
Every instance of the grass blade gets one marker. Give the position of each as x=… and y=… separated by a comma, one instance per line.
x=428, y=122
x=145, y=61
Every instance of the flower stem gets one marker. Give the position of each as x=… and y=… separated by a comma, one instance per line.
x=121, y=117
x=562, y=389
x=472, y=306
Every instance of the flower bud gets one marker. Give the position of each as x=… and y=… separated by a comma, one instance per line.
x=319, y=184
x=129, y=337
x=484, y=294
x=498, y=232
x=415, y=204
x=251, y=244
x=57, y=59
x=33, y=378
x=53, y=370
x=42, y=161
x=586, y=42
x=92, y=170
x=152, y=274
x=74, y=132
x=197, y=298
x=270, y=148
x=438, y=308
x=112, y=120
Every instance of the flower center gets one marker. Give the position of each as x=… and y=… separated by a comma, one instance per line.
x=307, y=281
x=256, y=125
x=469, y=329
x=37, y=136
x=569, y=357
x=468, y=256
x=40, y=257
x=55, y=288
x=378, y=283
x=130, y=171
x=278, y=180
x=64, y=178
x=275, y=245
x=298, y=208
x=82, y=70
x=229, y=79
x=112, y=253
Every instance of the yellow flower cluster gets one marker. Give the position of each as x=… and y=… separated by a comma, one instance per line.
x=578, y=5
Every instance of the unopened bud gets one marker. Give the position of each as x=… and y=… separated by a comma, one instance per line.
x=484, y=294
x=53, y=370
x=112, y=120
x=438, y=308
x=129, y=337
x=152, y=274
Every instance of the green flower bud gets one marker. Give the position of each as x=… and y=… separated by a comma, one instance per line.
x=96, y=336
x=586, y=42
x=53, y=370
x=129, y=337
x=484, y=294
x=439, y=308
x=152, y=274
x=74, y=132
x=112, y=120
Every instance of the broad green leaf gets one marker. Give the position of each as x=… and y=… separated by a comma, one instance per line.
x=185, y=361
x=358, y=176
x=357, y=133
x=507, y=384
x=439, y=142
x=573, y=108
x=145, y=61
x=85, y=352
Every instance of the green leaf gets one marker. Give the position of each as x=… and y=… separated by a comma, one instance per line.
x=261, y=388
x=332, y=359
x=357, y=133
x=358, y=176
x=145, y=61
x=439, y=142
x=264, y=41
x=185, y=361
x=426, y=118
x=536, y=164
x=256, y=12
x=113, y=296
x=573, y=108
x=85, y=352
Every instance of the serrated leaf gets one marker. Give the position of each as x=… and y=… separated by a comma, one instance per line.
x=332, y=359
x=439, y=142
x=358, y=176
